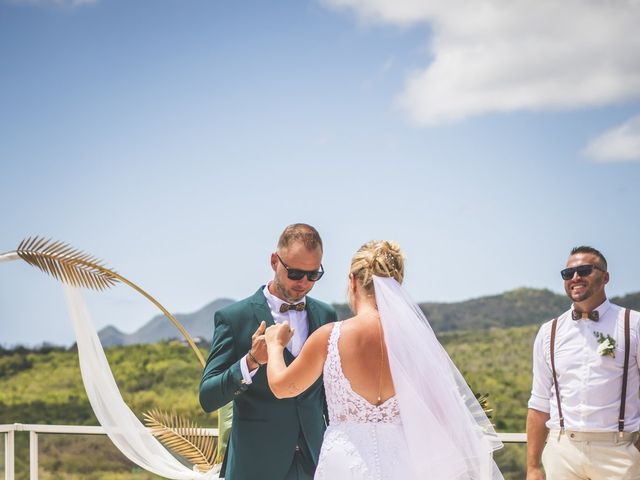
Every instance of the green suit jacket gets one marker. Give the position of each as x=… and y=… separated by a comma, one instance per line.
x=265, y=430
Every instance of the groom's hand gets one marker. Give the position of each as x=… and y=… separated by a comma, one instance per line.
x=258, y=347
x=279, y=334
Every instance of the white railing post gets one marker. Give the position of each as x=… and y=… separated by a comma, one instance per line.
x=9, y=456
x=33, y=455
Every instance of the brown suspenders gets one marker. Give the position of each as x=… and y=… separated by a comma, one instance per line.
x=554, y=324
x=627, y=348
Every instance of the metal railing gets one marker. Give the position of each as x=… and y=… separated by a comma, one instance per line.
x=34, y=430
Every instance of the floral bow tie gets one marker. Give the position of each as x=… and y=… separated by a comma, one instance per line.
x=576, y=315
x=298, y=307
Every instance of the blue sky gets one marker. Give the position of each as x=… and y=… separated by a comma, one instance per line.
x=175, y=140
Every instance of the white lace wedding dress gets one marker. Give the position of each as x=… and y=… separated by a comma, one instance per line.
x=363, y=441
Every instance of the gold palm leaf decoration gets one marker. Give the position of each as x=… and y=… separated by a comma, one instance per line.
x=183, y=437
x=79, y=269
x=483, y=400
x=66, y=264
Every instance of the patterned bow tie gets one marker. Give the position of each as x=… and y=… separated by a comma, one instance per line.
x=298, y=307
x=576, y=315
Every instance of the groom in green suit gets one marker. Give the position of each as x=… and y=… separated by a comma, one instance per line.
x=270, y=439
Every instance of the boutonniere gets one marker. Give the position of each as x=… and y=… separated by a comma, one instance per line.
x=607, y=344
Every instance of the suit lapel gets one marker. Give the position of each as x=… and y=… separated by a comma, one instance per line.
x=261, y=309
x=313, y=316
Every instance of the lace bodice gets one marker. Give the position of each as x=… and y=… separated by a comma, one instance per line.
x=344, y=404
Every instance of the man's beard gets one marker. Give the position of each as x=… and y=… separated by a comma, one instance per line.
x=284, y=294
x=589, y=291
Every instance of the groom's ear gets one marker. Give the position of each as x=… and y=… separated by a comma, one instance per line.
x=274, y=261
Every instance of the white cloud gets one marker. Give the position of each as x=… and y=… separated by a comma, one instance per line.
x=506, y=55
x=621, y=143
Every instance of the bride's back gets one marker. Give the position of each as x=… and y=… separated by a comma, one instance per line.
x=363, y=356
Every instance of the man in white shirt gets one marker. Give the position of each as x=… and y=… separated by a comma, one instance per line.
x=270, y=438
x=585, y=349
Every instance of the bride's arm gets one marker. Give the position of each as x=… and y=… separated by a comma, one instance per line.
x=286, y=382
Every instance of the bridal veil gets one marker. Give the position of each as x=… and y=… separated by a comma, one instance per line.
x=449, y=437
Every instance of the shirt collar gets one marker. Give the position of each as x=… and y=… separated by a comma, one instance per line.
x=275, y=302
x=601, y=309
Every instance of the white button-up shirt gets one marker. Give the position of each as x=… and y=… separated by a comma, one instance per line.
x=297, y=321
x=590, y=384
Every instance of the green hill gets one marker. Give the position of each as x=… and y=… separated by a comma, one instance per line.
x=522, y=306
x=45, y=387
x=489, y=339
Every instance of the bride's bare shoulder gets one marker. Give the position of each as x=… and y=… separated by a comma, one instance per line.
x=324, y=331
x=354, y=323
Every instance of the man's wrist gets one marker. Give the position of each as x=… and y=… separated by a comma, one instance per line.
x=534, y=466
x=251, y=358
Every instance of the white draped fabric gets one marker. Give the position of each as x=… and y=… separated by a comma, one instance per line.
x=449, y=437
x=124, y=429
x=7, y=257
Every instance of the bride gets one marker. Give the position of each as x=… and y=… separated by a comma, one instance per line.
x=398, y=407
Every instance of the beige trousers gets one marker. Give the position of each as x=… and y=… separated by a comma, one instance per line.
x=591, y=456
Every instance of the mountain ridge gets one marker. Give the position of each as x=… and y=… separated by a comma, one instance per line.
x=518, y=307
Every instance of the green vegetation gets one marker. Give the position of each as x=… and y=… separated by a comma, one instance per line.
x=489, y=339
x=44, y=386
x=498, y=362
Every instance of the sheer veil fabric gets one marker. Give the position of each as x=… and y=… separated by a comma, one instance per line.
x=449, y=437
x=124, y=429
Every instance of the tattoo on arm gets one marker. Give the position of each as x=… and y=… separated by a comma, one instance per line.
x=293, y=388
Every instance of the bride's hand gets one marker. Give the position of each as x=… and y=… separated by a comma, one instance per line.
x=278, y=334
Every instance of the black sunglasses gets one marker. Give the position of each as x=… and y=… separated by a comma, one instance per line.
x=582, y=271
x=297, y=274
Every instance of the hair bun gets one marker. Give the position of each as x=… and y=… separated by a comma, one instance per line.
x=385, y=259
x=380, y=258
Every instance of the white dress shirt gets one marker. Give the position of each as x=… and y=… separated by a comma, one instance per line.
x=590, y=383
x=297, y=321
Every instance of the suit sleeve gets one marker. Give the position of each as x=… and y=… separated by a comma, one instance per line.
x=222, y=376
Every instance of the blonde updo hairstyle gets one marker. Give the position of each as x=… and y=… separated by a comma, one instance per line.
x=378, y=257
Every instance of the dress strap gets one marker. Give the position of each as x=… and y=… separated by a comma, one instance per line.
x=333, y=339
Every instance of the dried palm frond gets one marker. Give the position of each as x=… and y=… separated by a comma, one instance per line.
x=183, y=437
x=483, y=400
x=79, y=269
x=66, y=264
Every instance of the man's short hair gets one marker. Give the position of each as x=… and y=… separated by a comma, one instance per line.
x=591, y=250
x=300, y=232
